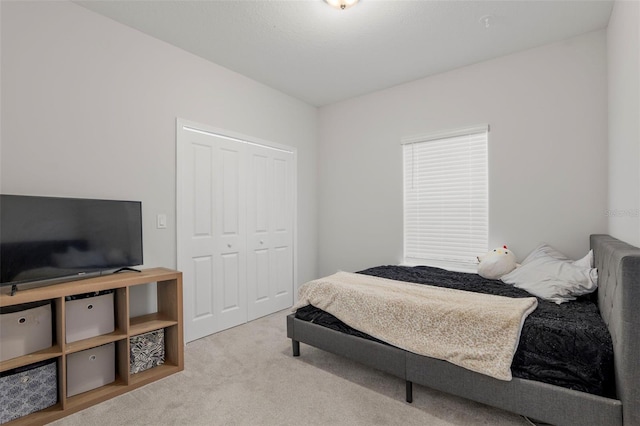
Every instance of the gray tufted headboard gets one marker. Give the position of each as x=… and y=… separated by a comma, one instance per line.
x=618, y=266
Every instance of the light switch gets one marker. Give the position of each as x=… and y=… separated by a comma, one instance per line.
x=161, y=221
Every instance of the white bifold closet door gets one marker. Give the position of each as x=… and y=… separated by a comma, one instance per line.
x=269, y=231
x=235, y=235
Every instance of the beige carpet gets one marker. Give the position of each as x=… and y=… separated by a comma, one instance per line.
x=247, y=376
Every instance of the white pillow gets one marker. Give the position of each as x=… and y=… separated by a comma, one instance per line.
x=585, y=262
x=550, y=275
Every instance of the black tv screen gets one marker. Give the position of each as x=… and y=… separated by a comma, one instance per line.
x=44, y=238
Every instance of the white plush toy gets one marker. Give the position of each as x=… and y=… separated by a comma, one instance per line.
x=497, y=263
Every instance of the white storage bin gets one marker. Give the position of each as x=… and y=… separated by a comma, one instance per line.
x=89, y=315
x=90, y=369
x=25, y=329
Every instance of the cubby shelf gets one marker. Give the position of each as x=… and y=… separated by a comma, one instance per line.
x=168, y=318
x=81, y=345
x=146, y=323
x=21, y=361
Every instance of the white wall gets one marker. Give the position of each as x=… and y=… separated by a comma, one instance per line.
x=89, y=109
x=547, y=109
x=623, y=49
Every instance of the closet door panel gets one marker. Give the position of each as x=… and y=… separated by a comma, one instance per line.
x=229, y=287
x=202, y=285
x=259, y=271
x=282, y=230
x=283, y=274
x=230, y=282
x=269, y=230
x=259, y=219
x=197, y=243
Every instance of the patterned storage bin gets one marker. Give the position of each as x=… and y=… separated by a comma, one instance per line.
x=146, y=351
x=28, y=389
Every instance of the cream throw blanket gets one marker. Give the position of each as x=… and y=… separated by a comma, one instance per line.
x=476, y=331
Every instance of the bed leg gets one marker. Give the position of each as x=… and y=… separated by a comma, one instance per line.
x=295, y=345
x=409, y=397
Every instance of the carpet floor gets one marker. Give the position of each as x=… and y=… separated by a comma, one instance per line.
x=247, y=376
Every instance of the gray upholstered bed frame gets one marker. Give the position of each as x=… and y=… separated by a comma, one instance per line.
x=618, y=266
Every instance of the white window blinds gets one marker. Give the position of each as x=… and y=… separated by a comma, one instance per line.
x=446, y=197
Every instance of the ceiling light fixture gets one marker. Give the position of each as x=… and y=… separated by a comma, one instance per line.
x=341, y=4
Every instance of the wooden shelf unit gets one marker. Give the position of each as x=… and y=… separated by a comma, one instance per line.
x=168, y=317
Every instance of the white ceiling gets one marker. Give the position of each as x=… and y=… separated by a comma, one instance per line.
x=322, y=55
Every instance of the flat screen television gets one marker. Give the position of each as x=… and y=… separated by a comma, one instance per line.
x=49, y=238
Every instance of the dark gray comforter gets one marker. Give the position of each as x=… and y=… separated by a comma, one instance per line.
x=566, y=345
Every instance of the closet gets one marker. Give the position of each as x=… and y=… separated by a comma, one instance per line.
x=235, y=215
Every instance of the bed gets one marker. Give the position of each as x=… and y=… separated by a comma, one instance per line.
x=618, y=402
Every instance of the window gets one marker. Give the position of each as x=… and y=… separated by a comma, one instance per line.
x=446, y=208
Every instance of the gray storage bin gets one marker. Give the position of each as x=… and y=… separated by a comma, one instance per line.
x=25, y=329
x=146, y=351
x=26, y=390
x=89, y=315
x=91, y=369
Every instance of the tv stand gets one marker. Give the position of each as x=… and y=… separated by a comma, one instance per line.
x=168, y=317
x=127, y=268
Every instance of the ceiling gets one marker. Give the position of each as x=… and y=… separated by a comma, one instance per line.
x=322, y=55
